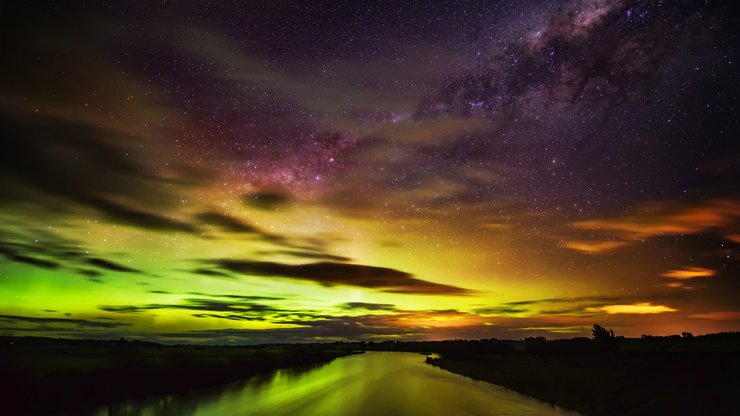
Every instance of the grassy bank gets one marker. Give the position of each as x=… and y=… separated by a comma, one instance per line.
x=43, y=376
x=634, y=383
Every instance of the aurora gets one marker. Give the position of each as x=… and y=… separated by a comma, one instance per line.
x=222, y=173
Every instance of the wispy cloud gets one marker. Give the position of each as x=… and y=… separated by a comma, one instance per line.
x=566, y=329
x=593, y=246
x=111, y=265
x=332, y=274
x=82, y=323
x=687, y=272
x=658, y=219
x=635, y=308
x=718, y=316
x=226, y=223
x=368, y=306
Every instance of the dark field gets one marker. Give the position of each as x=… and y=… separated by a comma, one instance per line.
x=44, y=376
x=601, y=376
x=658, y=376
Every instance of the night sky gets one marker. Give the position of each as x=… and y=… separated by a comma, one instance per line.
x=278, y=171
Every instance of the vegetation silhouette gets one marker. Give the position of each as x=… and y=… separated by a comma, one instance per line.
x=605, y=374
x=612, y=375
x=57, y=375
x=600, y=333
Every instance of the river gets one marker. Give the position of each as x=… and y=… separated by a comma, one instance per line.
x=372, y=384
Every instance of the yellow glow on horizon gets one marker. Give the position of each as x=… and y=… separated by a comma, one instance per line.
x=635, y=308
x=437, y=320
x=574, y=329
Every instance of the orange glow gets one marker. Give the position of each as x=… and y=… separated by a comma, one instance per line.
x=636, y=228
x=558, y=329
x=256, y=193
x=593, y=246
x=444, y=319
x=636, y=308
x=676, y=285
x=689, y=220
x=689, y=273
x=735, y=238
x=719, y=316
x=715, y=214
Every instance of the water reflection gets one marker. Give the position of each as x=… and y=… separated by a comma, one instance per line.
x=376, y=383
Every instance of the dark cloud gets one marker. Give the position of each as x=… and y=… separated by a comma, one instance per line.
x=373, y=327
x=234, y=225
x=34, y=261
x=580, y=311
x=500, y=311
x=248, y=298
x=64, y=254
x=48, y=145
x=195, y=304
x=230, y=317
x=38, y=242
x=90, y=273
x=52, y=246
x=42, y=321
x=226, y=223
x=331, y=274
x=225, y=306
x=267, y=200
x=129, y=308
x=597, y=299
x=312, y=255
x=368, y=306
x=136, y=217
x=338, y=328
x=112, y=266
x=211, y=272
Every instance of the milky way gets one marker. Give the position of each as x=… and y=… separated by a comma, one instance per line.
x=253, y=172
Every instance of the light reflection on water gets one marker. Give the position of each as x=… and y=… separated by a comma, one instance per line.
x=373, y=384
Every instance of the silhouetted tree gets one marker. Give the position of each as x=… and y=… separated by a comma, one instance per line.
x=687, y=335
x=600, y=333
x=604, y=339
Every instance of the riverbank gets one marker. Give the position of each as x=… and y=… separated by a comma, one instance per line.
x=635, y=383
x=373, y=384
x=49, y=376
